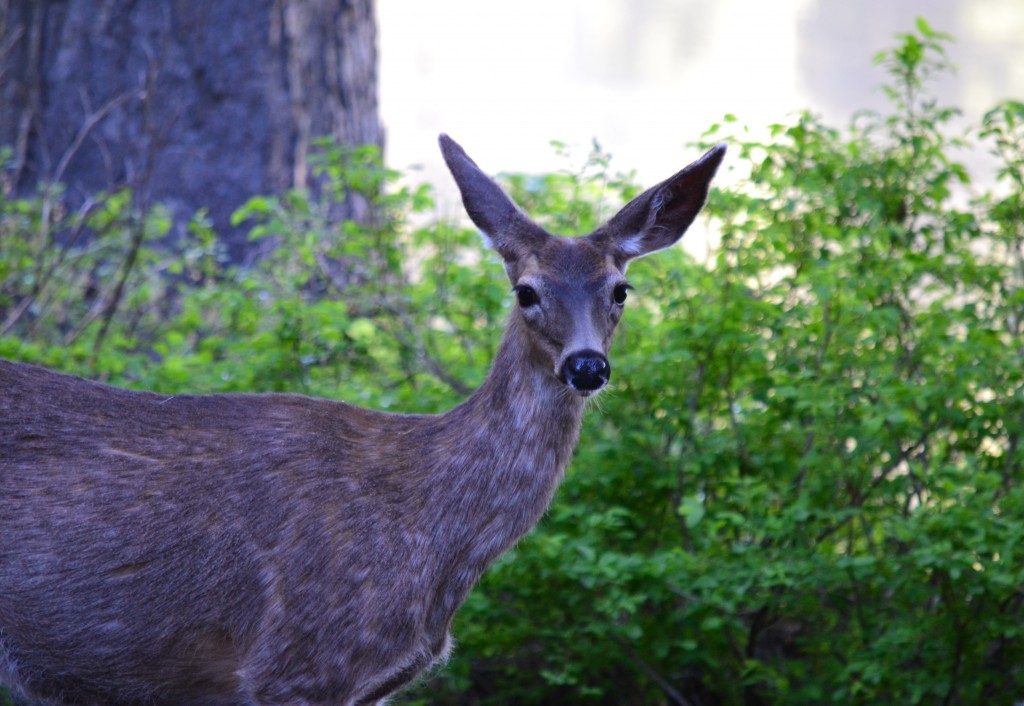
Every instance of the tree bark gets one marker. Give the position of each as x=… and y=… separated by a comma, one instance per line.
x=190, y=103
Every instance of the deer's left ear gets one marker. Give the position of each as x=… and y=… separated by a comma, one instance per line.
x=658, y=217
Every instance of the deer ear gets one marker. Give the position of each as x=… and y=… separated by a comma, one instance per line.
x=505, y=227
x=658, y=217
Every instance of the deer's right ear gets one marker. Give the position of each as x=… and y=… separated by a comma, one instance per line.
x=506, y=228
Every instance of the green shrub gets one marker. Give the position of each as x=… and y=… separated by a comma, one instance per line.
x=805, y=486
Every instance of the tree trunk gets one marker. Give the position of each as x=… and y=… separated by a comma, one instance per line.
x=190, y=103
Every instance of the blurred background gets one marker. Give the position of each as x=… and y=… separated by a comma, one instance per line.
x=645, y=77
x=203, y=106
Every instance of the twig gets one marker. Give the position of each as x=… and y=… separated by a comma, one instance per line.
x=43, y=278
x=35, y=43
x=8, y=45
x=673, y=694
x=902, y=456
x=91, y=121
x=418, y=345
x=138, y=235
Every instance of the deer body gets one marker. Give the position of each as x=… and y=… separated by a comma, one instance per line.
x=278, y=549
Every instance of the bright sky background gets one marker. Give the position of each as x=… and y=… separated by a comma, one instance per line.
x=646, y=77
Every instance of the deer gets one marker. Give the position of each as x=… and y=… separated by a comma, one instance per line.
x=278, y=549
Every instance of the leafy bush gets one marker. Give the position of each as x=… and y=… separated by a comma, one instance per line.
x=804, y=485
x=378, y=312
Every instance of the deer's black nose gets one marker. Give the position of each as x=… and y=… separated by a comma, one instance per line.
x=586, y=371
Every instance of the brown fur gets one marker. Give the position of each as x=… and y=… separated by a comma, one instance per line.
x=224, y=550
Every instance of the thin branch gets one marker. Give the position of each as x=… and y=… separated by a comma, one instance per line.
x=904, y=455
x=417, y=343
x=91, y=121
x=32, y=100
x=8, y=45
x=138, y=236
x=670, y=691
x=43, y=278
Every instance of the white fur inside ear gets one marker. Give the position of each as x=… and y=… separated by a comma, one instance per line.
x=633, y=245
x=488, y=242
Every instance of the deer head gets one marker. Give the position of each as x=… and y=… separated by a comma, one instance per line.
x=571, y=292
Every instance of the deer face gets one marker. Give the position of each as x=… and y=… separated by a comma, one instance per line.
x=571, y=292
x=570, y=296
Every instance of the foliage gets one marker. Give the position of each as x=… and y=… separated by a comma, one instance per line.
x=374, y=312
x=805, y=485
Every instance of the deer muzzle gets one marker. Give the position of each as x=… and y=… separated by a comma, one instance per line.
x=586, y=371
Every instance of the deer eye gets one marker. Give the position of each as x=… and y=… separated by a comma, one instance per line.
x=620, y=292
x=527, y=296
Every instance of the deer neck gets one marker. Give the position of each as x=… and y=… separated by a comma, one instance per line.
x=507, y=446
